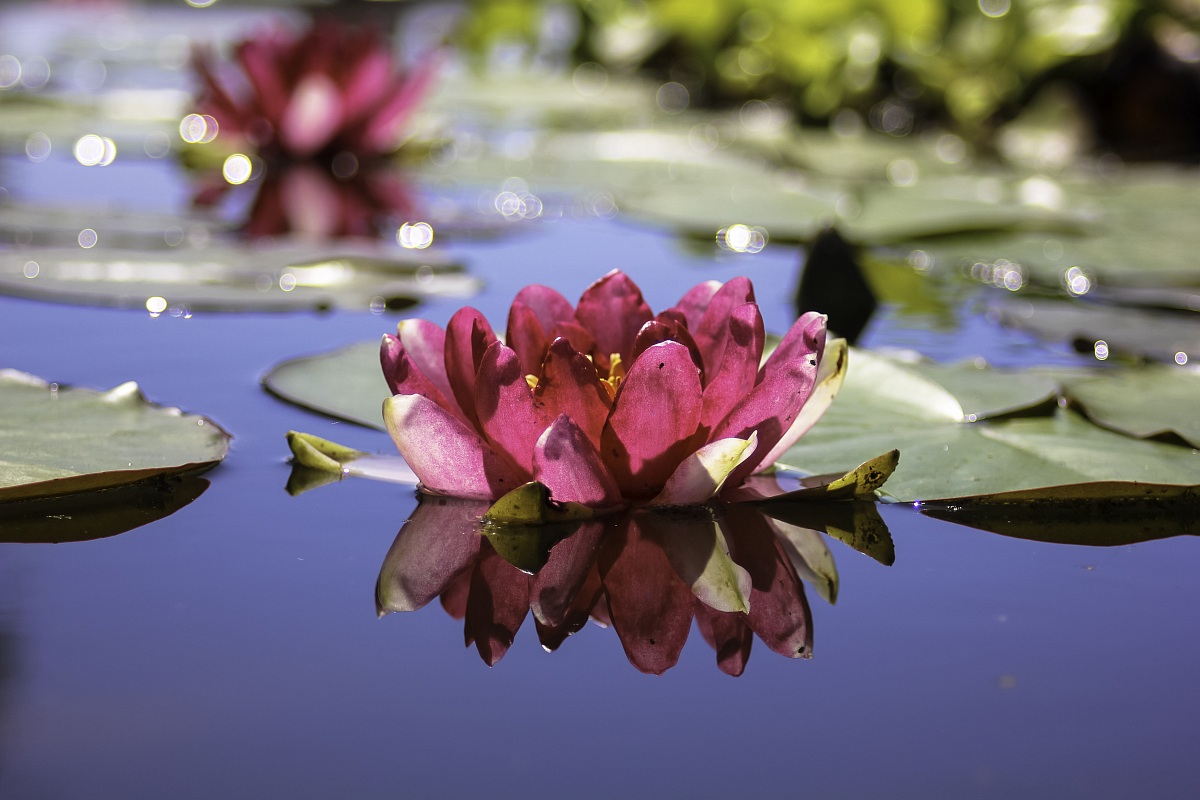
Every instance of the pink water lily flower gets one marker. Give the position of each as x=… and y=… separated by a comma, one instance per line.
x=330, y=90
x=605, y=403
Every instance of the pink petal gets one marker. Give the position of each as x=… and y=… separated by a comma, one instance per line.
x=650, y=607
x=404, y=377
x=652, y=425
x=366, y=83
x=313, y=115
x=711, y=333
x=438, y=542
x=831, y=372
x=737, y=372
x=613, y=311
x=784, y=384
x=666, y=329
x=693, y=304
x=468, y=335
x=569, y=385
x=548, y=306
x=261, y=59
x=569, y=466
x=446, y=455
x=507, y=413
x=580, y=340
x=728, y=634
x=497, y=605
x=382, y=133
x=454, y=596
x=527, y=337
x=425, y=344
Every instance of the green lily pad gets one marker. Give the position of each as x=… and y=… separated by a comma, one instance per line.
x=279, y=277
x=57, y=440
x=1140, y=333
x=347, y=384
x=1149, y=402
x=1137, y=230
x=888, y=404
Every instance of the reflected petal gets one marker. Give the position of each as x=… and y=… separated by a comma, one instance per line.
x=728, y=634
x=438, y=543
x=649, y=606
x=558, y=583
x=496, y=607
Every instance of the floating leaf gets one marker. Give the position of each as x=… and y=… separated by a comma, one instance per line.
x=56, y=440
x=1149, y=402
x=347, y=384
x=1119, y=331
x=232, y=277
x=1138, y=230
x=885, y=403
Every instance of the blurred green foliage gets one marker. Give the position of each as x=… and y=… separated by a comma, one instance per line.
x=959, y=62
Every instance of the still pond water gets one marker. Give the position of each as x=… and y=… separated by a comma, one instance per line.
x=232, y=649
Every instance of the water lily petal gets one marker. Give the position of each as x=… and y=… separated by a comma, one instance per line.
x=313, y=115
x=713, y=330
x=702, y=474
x=667, y=328
x=508, y=415
x=613, y=310
x=446, y=455
x=261, y=59
x=693, y=304
x=381, y=133
x=831, y=373
x=728, y=634
x=580, y=339
x=405, y=377
x=784, y=385
x=366, y=81
x=569, y=385
x=653, y=422
x=571, y=468
x=468, y=335
x=737, y=372
x=496, y=607
x=527, y=336
x=437, y=543
x=549, y=306
x=425, y=344
x=648, y=604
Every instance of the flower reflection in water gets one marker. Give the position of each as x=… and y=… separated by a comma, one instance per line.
x=647, y=573
x=308, y=200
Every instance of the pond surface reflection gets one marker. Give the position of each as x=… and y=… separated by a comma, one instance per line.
x=648, y=574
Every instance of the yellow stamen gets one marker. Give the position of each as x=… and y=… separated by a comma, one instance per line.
x=532, y=380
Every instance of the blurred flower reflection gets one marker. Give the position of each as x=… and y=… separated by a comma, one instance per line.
x=309, y=200
x=736, y=570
